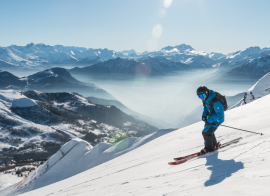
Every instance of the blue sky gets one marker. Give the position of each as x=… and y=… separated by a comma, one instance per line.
x=207, y=25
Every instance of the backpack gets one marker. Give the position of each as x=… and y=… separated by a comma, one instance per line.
x=221, y=99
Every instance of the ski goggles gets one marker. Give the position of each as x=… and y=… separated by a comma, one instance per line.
x=201, y=96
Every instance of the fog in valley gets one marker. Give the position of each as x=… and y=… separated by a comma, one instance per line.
x=171, y=97
x=26, y=71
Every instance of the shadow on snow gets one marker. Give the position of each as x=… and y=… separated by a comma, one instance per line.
x=221, y=169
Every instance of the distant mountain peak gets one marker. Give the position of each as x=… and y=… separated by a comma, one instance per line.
x=42, y=45
x=54, y=72
x=181, y=48
x=59, y=70
x=129, y=51
x=30, y=45
x=253, y=49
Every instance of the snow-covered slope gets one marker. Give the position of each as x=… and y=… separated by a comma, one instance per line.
x=242, y=56
x=17, y=132
x=54, y=169
x=35, y=125
x=258, y=90
x=241, y=169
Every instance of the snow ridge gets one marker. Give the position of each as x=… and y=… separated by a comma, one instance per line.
x=55, y=169
x=258, y=90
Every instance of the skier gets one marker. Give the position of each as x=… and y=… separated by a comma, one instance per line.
x=213, y=116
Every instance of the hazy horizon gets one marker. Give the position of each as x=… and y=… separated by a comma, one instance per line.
x=143, y=51
x=209, y=26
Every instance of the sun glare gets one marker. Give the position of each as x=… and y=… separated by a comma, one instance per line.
x=157, y=31
x=167, y=3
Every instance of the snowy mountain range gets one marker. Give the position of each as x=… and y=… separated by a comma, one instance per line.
x=51, y=80
x=130, y=67
x=254, y=67
x=37, y=124
x=39, y=54
x=60, y=80
x=170, y=58
x=142, y=169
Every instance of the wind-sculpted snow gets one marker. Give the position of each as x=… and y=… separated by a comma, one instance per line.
x=80, y=156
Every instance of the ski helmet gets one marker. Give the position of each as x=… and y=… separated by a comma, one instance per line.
x=202, y=89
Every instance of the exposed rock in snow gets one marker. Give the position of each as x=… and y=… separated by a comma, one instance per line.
x=258, y=90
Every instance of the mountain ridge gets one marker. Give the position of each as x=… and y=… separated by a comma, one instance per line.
x=51, y=80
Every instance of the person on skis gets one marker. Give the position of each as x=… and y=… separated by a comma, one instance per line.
x=213, y=116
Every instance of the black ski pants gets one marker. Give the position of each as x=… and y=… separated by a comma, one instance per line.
x=209, y=137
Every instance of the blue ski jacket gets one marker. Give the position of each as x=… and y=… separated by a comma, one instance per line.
x=213, y=109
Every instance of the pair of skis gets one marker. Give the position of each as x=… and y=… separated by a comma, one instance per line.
x=183, y=159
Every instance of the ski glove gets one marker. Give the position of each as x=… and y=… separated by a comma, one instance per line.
x=204, y=118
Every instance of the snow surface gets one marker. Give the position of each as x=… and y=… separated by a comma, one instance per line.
x=12, y=98
x=7, y=180
x=240, y=169
x=258, y=90
x=82, y=152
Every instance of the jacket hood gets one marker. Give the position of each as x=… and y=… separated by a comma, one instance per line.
x=211, y=95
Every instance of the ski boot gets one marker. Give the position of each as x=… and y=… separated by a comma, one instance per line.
x=203, y=151
x=217, y=146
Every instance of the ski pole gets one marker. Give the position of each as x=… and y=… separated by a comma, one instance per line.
x=241, y=129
